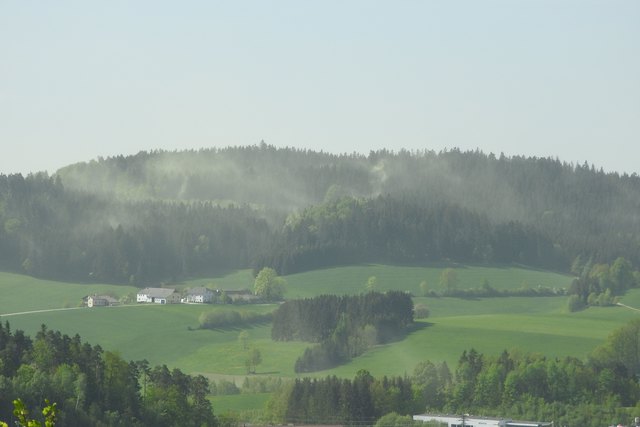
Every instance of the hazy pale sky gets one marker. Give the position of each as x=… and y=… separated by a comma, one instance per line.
x=81, y=79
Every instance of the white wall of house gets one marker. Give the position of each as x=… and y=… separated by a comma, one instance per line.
x=148, y=297
x=96, y=302
x=207, y=296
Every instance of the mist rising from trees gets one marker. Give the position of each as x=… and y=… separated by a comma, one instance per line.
x=166, y=215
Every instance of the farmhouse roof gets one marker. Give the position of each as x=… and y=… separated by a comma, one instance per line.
x=157, y=292
x=107, y=298
x=199, y=291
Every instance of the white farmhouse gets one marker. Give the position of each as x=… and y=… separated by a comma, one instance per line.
x=199, y=294
x=158, y=296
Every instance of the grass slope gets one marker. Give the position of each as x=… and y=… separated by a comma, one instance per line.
x=239, y=402
x=23, y=293
x=352, y=279
x=490, y=325
x=161, y=333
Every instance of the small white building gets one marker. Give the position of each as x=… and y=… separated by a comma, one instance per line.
x=101, y=301
x=471, y=421
x=158, y=296
x=200, y=294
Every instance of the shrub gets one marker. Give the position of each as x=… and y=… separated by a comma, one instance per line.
x=421, y=311
x=575, y=303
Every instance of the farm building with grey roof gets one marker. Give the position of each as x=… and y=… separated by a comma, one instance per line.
x=158, y=296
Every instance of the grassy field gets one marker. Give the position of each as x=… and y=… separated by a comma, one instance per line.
x=351, y=280
x=238, y=402
x=23, y=293
x=491, y=325
x=167, y=334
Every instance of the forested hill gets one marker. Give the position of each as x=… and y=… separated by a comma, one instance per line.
x=538, y=191
x=163, y=215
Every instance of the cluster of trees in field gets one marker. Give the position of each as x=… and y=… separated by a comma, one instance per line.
x=344, y=326
x=600, y=284
x=166, y=215
x=566, y=390
x=93, y=387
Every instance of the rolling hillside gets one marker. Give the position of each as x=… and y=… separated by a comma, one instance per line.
x=164, y=216
x=162, y=333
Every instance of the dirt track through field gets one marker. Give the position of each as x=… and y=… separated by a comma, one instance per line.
x=39, y=311
x=72, y=308
x=626, y=306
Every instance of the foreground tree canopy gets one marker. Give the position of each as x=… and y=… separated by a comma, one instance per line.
x=93, y=387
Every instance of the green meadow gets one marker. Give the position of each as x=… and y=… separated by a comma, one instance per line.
x=352, y=279
x=23, y=293
x=237, y=403
x=541, y=325
x=168, y=334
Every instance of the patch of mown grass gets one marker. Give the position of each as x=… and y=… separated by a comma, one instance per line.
x=238, y=403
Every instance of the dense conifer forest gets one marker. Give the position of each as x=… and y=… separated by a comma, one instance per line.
x=344, y=326
x=166, y=215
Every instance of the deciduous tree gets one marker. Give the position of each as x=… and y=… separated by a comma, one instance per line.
x=268, y=285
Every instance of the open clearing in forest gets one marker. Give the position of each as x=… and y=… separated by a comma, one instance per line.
x=165, y=335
